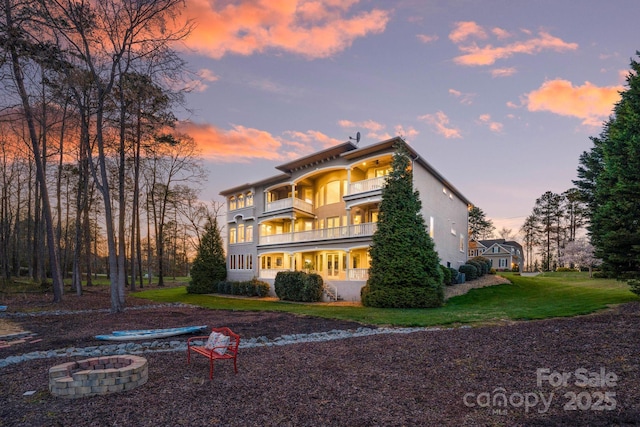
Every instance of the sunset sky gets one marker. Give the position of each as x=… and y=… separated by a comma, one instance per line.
x=500, y=96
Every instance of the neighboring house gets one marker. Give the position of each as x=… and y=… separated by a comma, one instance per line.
x=320, y=214
x=503, y=254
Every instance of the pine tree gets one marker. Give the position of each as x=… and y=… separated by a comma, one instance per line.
x=210, y=266
x=479, y=226
x=615, y=176
x=405, y=268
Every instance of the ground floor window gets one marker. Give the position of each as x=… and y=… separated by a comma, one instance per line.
x=241, y=262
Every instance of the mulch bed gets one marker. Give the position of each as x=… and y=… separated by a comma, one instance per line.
x=448, y=377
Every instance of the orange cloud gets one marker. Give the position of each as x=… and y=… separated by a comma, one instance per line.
x=466, y=29
x=241, y=144
x=487, y=54
x=226, y=145
x=590, y=103
x=314, y=29
x=485, y=119
x=439, y=122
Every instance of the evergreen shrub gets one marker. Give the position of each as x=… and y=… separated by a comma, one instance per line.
x=299, y=286
x=470, y=271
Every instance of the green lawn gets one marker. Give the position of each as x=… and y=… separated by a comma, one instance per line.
x=544, y=296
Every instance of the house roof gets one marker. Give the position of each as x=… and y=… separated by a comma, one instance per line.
x=349, y=151
x=502, y=242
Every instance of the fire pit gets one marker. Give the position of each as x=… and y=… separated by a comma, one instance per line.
x=98, y=375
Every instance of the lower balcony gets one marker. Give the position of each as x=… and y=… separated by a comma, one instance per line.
x=357, y=230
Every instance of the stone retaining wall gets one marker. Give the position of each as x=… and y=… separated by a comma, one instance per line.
x=98, y=375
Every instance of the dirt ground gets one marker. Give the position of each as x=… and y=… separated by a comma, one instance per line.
x=557, y=372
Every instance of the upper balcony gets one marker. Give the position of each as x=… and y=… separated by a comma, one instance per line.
x=366, y=185
x=288, y=203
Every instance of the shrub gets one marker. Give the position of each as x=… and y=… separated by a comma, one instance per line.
x=480, y=266
x=492, y=271
x=565, y=269
x=454, y=276
x=202, y=286
x=446, y=275
x=470, y=271
x=484, y=262
x=634, y=284
x=250, y=288
x=298, y=286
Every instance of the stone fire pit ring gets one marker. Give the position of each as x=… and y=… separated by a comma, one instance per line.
x=98, y=375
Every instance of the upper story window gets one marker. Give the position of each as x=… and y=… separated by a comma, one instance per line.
x=232, y=203
x=240, y=201
x=232, y=235
x=241, y=233
x=333, y=192
x=249, y=233
x=249, y=199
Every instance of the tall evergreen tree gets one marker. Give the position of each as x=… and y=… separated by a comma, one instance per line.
x=210, y=266
x=479, y=226
x=612, y=169
x=548, y=213
x=405, y=268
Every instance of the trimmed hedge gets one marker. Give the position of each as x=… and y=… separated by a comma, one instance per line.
x=299, y=286
x=470, y=271
x=404, y=297
x=202, y=286
x=250, y=288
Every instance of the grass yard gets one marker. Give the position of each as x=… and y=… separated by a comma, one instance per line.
x=544, y=296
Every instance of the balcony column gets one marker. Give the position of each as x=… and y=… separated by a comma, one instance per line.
x=293, y=194
x=347, y=275
x=348, y=181
x=349, y=221
x=293, y=227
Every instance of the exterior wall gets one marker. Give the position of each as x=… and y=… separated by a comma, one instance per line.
x=448, y=214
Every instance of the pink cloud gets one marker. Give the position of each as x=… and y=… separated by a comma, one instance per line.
x=465, y=98
x=590, y=103
x=503, y=72
x=439, y=122
x=314, y=29
x=474, y=54
x=426, y=39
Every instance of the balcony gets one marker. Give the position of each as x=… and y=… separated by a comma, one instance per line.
x=291, y=202
x=357, y=230
x=366, y=185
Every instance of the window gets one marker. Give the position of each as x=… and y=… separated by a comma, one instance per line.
x=431, y=220
x=333, y=192
x=461, y=242
x=241, y=233
x=249, y=233
x=380, y=172
x=495, y=250
x=232, y=235
x=232, y=203
x=249, y=199
x=241, y=201
x=502, y=263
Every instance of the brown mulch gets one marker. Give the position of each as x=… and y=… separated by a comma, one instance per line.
x=422, y=378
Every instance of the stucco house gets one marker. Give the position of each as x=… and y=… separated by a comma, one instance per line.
x=503, y=254
x=319, y=214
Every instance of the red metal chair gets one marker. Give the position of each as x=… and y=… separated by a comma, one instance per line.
x=230, y=351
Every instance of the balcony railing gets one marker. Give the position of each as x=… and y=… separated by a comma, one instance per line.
x=289, y=203
x=356, y=230
x=357, y=274
x=367, y=185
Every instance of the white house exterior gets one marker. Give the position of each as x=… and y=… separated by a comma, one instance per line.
x=320, y=214
x=503, y=254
